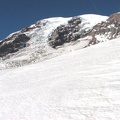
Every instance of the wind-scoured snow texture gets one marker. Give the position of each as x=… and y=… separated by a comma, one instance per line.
x=81, y=85
x=36, y=48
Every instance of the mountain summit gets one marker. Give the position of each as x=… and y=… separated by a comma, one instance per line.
x=55, y=36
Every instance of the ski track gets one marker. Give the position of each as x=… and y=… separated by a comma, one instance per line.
x=81, y=85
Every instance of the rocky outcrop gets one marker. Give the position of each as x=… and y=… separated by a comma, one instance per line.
x=70, y=32
x=13, y=44
x=18, y=40
x=66, y=33
x=38, y=24
x=109, y=29
x=114, y=17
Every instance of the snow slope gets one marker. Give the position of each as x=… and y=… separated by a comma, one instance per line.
x=81, y=85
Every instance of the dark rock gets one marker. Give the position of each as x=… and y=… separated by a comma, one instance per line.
x=13, y=44
x=65, y=33
x=114, y=18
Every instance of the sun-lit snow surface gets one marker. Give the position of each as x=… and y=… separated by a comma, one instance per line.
x=90, y=20
x=81, y=85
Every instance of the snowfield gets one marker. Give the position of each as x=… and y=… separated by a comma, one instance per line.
x=81, y=85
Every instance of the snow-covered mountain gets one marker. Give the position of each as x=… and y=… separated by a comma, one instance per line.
x=55, y=36
x=78, y=84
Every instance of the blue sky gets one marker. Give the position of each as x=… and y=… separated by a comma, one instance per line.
x=17, y=14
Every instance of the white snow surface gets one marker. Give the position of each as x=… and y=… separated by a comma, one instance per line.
x=90, y=20
x=81, y=85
